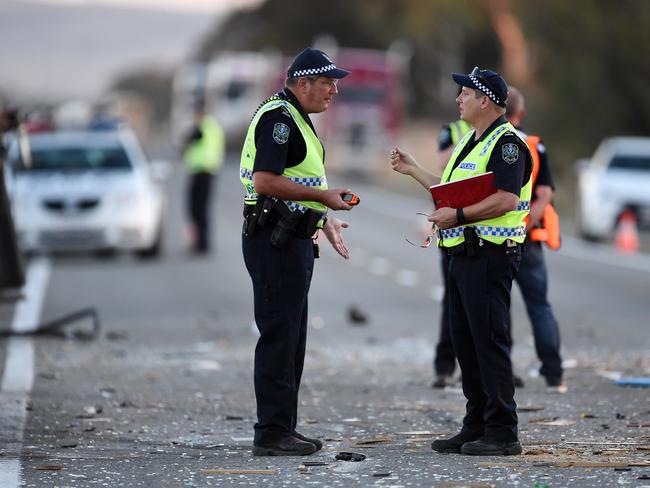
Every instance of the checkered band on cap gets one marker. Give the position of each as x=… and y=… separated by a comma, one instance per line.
x=311, y=71
x=485, y=89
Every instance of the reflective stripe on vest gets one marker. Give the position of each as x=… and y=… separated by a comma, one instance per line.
x=496, y=229
x=309, y=172
x=206, y=154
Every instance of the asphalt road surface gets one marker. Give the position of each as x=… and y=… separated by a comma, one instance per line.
x=163, y=397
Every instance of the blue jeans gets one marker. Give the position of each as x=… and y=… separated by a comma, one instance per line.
x=532, y=281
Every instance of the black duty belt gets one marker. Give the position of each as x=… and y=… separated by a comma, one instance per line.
x=463, y=249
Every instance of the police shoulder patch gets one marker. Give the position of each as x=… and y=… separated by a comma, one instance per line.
x=510, y=152
x=280, y=133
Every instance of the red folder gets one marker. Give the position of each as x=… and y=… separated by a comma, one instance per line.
x=464, y=192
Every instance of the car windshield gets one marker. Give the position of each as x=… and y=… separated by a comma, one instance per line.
x=637, y=163
x=75, y=158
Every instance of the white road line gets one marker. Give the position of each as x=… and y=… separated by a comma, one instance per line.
x=407, y=278
x=18, y=374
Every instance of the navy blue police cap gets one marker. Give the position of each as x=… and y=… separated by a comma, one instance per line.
x=314, y=62
x=486, y=81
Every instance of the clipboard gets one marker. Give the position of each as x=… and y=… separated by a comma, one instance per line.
x=464, y=192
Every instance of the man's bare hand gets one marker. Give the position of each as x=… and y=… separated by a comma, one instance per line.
x=332, y=199
x=333, y=231
x=444, y=217
x=402, y=162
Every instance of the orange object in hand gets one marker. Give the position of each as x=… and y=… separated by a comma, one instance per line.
x=350, y=198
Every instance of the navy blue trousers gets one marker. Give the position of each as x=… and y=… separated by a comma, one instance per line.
x=533, y=283
x=281, y=280
x=479, y=301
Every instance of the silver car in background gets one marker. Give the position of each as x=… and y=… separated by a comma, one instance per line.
x=615, y=179
x=86, y=191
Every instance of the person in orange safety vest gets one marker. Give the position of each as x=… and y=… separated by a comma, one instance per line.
x=542, y=227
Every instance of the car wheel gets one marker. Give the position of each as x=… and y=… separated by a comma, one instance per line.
x=153, y=251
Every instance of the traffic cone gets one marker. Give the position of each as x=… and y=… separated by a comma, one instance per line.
x=627, y=236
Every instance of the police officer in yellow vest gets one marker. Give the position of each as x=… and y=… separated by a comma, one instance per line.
x=484, y=242
x=285, y=205
x=204, y=153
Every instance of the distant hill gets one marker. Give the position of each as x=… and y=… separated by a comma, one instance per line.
x=50, y=53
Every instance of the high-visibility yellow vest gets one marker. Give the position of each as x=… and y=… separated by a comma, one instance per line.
x=457, y=130
x=206, y=154
x=309, y=172
x=497, y=229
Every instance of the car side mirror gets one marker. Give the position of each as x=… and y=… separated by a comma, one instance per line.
x=160, y=170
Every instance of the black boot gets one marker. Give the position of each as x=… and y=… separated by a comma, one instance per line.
x=454, y=444
x=316, y=442
x=285, y=446
x=487, y=446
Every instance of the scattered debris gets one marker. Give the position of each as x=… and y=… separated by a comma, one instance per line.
x=537, y=452
x=463, y=484
x=373, y=440
x=69, y=445
x=644, y=477
x=567, y=464
x=350, y=456
x=233, y=417
x=529, y=408
x=351, y=419
x=117, y=335
x=382, y=474
x=48, y=467
x=48, y=375
x=238, y=471
x=638, y=424
x=421, y=433
x=619, y=416
x=641, y=382
x=356, y=316
x=90, y=412
x=315, y=463
x=585, y=415
x=555, y=421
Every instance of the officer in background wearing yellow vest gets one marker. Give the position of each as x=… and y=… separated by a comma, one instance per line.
x=542, y=226
x=285, y=205
x=444, y=360
x=484, y=243
x=204, y=153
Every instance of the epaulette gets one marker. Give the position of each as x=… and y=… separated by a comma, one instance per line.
x=270, y=99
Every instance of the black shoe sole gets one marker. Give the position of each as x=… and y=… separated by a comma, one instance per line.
x=508, y=451
x=446, y=450
x=269, y=451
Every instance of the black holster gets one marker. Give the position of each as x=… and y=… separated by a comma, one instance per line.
x=472, y=241
x=287, y=224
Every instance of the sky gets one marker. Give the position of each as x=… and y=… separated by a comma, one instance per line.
x=213, y=6
x=62, y=50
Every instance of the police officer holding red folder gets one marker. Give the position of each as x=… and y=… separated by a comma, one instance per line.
x=483, y=242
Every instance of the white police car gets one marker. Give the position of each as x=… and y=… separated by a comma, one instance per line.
x=616, y=178
x=83, y=191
